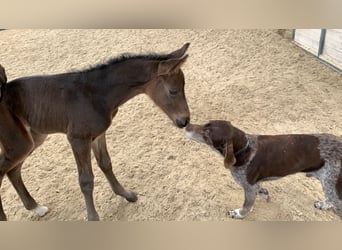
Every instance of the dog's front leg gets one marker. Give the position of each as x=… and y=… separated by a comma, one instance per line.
x=250, y=195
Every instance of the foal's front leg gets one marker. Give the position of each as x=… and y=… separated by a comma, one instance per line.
x=103, y=160
x=82, y=149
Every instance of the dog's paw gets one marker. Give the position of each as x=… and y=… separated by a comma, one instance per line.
x=41, y=210
x=235, y=214
x=323, y=205
x=264, y=193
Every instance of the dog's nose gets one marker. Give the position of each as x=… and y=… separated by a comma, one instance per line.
x=181, y=123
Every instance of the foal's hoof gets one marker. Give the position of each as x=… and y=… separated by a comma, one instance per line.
x=41, y=210
x=93, y=217
x=3, y=217
x=131, y=197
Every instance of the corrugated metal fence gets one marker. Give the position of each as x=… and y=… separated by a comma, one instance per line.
x=326, y=44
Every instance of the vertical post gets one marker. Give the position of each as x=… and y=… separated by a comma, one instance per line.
x=293, y=34
x=321, y=42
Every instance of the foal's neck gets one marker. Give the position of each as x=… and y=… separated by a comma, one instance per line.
x=121, y=82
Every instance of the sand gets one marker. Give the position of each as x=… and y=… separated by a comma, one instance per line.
x=257, y=79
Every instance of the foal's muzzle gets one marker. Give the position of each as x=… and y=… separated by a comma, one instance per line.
x=181, y=123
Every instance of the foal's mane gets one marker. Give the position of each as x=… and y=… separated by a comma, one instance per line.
x=124, y=57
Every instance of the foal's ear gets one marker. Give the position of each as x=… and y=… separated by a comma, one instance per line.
x=171, y=65
x=180, y=52
x=229, y=158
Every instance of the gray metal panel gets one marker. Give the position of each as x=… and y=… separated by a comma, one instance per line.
x=325, y=44
x=332, y=51
x=308, y=39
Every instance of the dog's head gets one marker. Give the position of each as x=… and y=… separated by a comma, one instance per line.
x=218, y=135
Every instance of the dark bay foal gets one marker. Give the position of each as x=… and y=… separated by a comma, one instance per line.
x=82, y=105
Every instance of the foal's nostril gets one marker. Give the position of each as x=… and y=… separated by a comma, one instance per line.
x=182, y=122
x=187, y=121
x=179, y=123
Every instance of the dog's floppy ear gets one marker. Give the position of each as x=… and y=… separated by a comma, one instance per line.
x=229, y=158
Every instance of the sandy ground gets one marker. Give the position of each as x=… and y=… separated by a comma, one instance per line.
x=257, y=79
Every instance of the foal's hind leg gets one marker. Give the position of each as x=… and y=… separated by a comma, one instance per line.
x=103, y=160
x=14, y=176
x=16, y=145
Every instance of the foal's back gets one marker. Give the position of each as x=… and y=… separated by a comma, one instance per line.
x=39, y=101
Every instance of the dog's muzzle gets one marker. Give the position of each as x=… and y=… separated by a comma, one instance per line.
x=191, y=133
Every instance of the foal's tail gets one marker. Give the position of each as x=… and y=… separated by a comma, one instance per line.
x=3, y=80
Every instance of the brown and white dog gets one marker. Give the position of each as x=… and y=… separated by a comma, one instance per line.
x=256, y=158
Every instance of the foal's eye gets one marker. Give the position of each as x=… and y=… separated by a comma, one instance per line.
x=173, y=92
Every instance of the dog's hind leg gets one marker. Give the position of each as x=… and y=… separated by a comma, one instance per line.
x=331, y=182
x=324, y=205
x=250, y=195
x=264, y=193
x=103, y=161
x=338, y=186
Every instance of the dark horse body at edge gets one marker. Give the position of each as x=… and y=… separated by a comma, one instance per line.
x=82, y=105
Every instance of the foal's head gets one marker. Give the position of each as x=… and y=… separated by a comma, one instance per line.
x=167, y=88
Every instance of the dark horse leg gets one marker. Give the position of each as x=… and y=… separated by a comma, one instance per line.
x=15, y=177
x=103, y=160
x=16, y=144
x=82, y=148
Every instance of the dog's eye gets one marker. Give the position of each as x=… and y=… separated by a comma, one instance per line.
x=221, y=148
x=206, y=131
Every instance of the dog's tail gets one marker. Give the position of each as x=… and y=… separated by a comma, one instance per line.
x=339, y=183
x=3, y=81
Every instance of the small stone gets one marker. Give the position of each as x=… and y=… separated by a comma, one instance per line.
x=171, y=157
